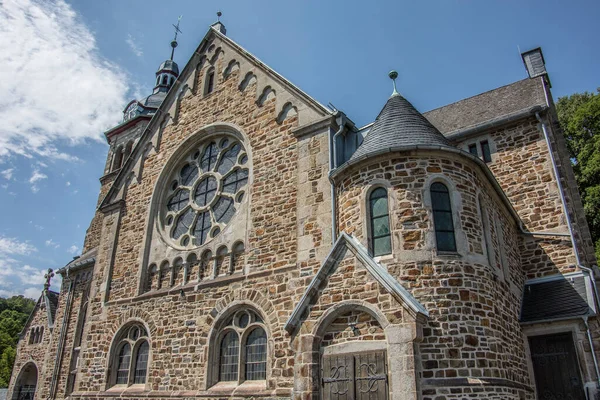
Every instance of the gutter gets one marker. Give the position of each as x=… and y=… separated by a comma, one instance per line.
x=495, y=123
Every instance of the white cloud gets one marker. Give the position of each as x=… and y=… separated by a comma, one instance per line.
x=12, y=246
x=68, y=183
x=32, y=292
x=7, y=173
x=135, y=48
x=52, y=243
x=73, y=250
x=60, y=91
x=35, y=178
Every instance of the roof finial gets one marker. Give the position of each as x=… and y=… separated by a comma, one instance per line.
x=174, y=41
x=219, y=13
x=49, y=275
x=393, y=75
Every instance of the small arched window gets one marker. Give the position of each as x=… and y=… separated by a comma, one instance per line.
x=118, y=157
x=243, y=348
x=209, y=83
x=164, y=80
x=442, y=217
x=130, y=365
x=380, y=241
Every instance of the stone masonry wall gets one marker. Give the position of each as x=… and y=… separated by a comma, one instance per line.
x=522, y=166
x=473, y=331
x=272, y=236
x=180, y=326
x=35, y=352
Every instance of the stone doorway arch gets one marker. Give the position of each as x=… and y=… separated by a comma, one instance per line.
x=26, y=383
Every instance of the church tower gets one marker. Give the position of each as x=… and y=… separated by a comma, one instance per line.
x=123, y=137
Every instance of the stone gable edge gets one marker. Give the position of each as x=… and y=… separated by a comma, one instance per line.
x=378, y=271
x=181, y=85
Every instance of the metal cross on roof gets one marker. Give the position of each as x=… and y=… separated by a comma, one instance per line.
x=177, y=30
x=174, y=41
x=49, y=275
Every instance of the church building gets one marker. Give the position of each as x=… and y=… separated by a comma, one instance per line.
x=250, y=242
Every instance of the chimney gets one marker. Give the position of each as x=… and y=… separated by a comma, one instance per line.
x=534, y=63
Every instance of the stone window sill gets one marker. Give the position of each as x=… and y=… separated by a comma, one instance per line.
x=449, y=254
x=244, y=388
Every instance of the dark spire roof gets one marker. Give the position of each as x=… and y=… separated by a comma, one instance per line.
x=399, y=125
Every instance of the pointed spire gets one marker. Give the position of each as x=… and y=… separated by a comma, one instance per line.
x=399, y=126
x=393, y=75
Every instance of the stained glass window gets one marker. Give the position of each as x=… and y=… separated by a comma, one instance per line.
x=256, y=355
x=442, y=217
x=381, y=241
x=132, y=368
x=123, y=368
x=215, y=174
x=243, y=348
x=141, y=363
x=228, y=364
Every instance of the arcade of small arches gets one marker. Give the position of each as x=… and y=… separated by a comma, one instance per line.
x=36, y=334
x=196, y=268
x=120, y=155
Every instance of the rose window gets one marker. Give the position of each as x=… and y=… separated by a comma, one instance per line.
x=205, y=191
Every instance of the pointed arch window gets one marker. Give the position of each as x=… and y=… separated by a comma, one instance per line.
x=380, y=239
x=442, y=217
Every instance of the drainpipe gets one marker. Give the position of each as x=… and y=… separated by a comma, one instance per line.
x=593, y=351
x=574, y=244
x=560, y=188
x=62, y=337
x=341, y=121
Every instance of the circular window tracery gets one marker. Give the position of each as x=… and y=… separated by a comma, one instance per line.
x=205, y=191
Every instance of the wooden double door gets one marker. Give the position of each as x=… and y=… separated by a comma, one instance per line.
x=356, y=376
x=555, y=367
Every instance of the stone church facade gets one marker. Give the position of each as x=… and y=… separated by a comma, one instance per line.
x=252, y=243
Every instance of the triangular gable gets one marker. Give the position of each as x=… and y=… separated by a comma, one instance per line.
x=50, y=300
x=171, y=96
x=378, y=271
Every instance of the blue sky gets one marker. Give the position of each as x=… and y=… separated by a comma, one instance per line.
x=69, y=68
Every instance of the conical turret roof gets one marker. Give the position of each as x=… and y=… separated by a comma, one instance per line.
x=399, y=125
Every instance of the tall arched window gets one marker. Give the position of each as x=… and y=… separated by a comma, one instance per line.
x=256, y=355
x=130, y=366
x=442, y=217
x=123, y=366
x=229, y=358
x=243, y=348
x=380, y=241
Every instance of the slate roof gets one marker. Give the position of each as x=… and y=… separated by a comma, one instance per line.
x=399, y=124
x=378, y=272
x=560, y=298
x=488, y=106
x=169, y=65
x=154, y=100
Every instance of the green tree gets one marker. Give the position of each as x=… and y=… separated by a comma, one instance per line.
x=579, y=118
x=13, y=316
